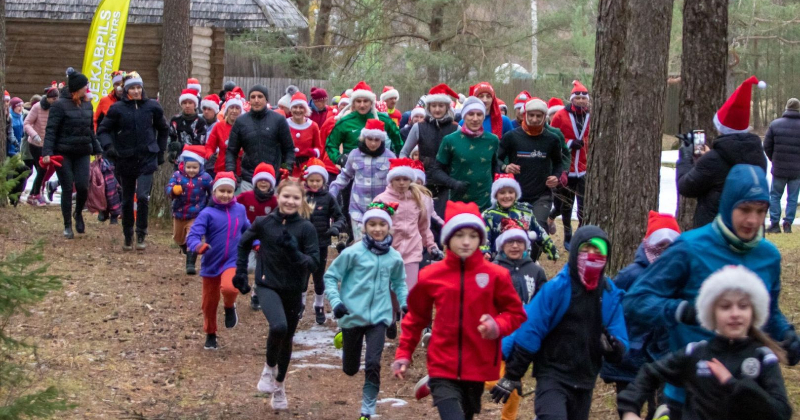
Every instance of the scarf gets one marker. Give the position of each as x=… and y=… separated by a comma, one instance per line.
x=440, y=122
x=532, y=131
x=471, y=134
x=378, y=248
x=362, y=146
x=189, y=117
x=734, y=242
x=652, y=252
x=263, y=196
x=590, y=269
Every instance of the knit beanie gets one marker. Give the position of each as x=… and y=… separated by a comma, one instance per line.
x=318, y=93
x=380, y=210
x=732, y=278
x=224, y=178
x=793, y=104
x=52, y=92
x=472, y=104
x=14, y=102
x=459, y=215
x=76, y=81
x=132, y=79
x=259, y=88
x=264, y=172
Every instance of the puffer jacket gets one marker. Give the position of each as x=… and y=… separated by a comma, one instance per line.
x=134, y=128
x=195, y=195
x=325, y=209
x=36, y=121
x=70, y=129
x=411, y=230
x=782, y=145
x=265, y=137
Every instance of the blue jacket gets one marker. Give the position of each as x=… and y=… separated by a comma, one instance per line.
x=487, y=124
x=222, y=226
x=195, y=196
x=365, y=281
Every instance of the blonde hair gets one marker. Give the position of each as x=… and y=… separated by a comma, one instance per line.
x=417, y=191
x=759, y=336
x=305, y=208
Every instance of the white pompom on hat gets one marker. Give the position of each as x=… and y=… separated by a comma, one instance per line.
x=732, y=278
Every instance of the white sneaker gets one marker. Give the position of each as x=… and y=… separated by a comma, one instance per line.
x=266, y=384
x=279, y=401
x=426, y=337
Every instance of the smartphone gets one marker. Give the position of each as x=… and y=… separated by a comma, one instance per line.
x=699, y=140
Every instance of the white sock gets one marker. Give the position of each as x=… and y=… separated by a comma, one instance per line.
x=304, y=298
x=319, y=300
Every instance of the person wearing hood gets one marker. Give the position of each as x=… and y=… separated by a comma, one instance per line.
x=647, y=344
x=106, y=101
x=574, y=323
x=782, y=145
x=263, y=135
x=70, y=135
x=35, y=127
x=703, y=177
x=495, y=122
x=664, y=294
x=134, y=136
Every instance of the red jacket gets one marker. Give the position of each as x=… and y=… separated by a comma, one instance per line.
x=255, y=208
x=217, y=143
x=462, y=292
x=102, y=108
x=319, y=117
x=561, y=120
x=307, y=144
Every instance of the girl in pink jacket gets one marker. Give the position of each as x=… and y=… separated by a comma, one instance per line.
x=34, y=126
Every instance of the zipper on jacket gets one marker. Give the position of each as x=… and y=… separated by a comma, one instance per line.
x=461, y=322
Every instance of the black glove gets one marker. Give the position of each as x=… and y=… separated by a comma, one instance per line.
x=686, y=153
x=576, y=144
x=460, y=187
x=437, y=255
x=112, y=153
x=504, y=388
x=518, y=362
x=686, y=314
x=404, y=310
x=161, y=159
x=340, y=310
x=175, y=147
x=613, y=349
x=791, y=343
x=342, y=161
x=240, y=282
x=333, y=231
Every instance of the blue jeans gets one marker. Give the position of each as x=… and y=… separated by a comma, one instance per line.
x=778, y=186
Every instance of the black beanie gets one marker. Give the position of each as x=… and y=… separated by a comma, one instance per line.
x=75, y=80
x=259, y=88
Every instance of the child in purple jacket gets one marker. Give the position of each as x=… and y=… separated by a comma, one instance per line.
x=189, y=189
x=222, y=224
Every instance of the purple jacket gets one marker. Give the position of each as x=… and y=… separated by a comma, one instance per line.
x=222, y=225
x=195, y=196
x=368, y=175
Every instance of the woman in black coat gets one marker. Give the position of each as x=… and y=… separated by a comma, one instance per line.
x=70, y=134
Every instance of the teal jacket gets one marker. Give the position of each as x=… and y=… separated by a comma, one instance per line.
x=365, y=280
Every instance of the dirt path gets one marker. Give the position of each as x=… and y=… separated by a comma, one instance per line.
x=124, y=339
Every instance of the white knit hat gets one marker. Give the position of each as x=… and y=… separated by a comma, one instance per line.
x=536, y=104
x=418, y=110
x=473, y=104
x=502, y=181
x=730, y=278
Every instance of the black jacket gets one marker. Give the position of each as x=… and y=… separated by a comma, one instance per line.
x=431, y=133
x=756, y=390
x=185, y=130
x=325, y=209
x=538, y=157
x=705, y=178
x=782, y=145
x=527, y=276
x=136, y=129
x=280, y=269
x=404, y=132
x=265, y=137
x=70, y=129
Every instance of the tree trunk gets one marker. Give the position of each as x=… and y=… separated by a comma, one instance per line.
x=176, y=62
x=534, y=39
x=435, y=43
x=304, y=36
x=2, y=78
x=321, y=30
x=704, y=66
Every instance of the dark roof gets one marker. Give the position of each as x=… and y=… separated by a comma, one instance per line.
x=229, y=14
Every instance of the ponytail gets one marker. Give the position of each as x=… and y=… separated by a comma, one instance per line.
x=305, y=209
x=417, y=191
x=759, y=336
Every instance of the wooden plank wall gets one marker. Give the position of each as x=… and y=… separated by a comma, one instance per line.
x=201, y=57
x=39, y=51
x=217, y=60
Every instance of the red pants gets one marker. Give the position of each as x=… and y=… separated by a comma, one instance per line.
x=212, y=286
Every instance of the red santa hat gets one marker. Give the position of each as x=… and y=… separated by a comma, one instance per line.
x=233, y=99
x=6, y=96
x=389, y=92
x=661, y=227
x=554, y=105
x=190, y=95
x=578, y=89
x=442, y=93
x=211, y=101
x=300, y=99
x=522, y=99
x=502, y=104
x=419, y=170
x=734, y=115
x=502, y=181
x=513, y=229
x=194, y=84
x=374, y=128
x=195, y=153
x=264, y=172
x=315, y=166
x=459, y=215
x=224, y=178
x=536, y=104
x=380, y=210
x=362, y=90
x=401, y=167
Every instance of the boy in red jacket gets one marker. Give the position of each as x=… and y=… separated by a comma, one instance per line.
x=476, y=305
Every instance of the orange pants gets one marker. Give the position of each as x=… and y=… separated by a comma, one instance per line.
x=180, y=230
x=511, y=407
x=212, y=286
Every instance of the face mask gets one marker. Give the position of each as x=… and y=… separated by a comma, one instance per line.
x=590, y=269
x=118, y=90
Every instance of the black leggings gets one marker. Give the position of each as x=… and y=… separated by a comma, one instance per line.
x=36, y=152
x=319, y=283
x=557, y=401
x=576, y=188
x=73, y=170
x=282, y=310
x=352, y=342
x=456, y=400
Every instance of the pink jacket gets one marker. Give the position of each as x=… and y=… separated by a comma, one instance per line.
x=36, y=123
x=429, y=208
x=409, y=227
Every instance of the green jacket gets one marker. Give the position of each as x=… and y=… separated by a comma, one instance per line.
x=365, y=281
x=470, y=160
x=348, y=129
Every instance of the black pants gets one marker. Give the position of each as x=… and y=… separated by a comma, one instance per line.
x=74, y=170
x=576, y=188
x=352, y=342
x=651, y=400
x=36, y=152
x=675, y=409
x=282, y=310
x=456, y=400
x=557, y=401
x=140, y=185
x=541, y=211
x=319, y=283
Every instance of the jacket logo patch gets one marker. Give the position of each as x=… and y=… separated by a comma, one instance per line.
x=482, y=279
x=702, y=368
x=252, y=208
x=267, y=210
x=751, y=367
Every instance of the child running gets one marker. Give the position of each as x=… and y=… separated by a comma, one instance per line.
x=475, y=304
x=305, y=134
x=186, y=128
x=325, y=209
x=189, y=189
x=289, y=251
x=221, y=224
x=733, y=376
x=363, y=306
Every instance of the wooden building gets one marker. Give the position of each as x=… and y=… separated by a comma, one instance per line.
x=44, y=37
